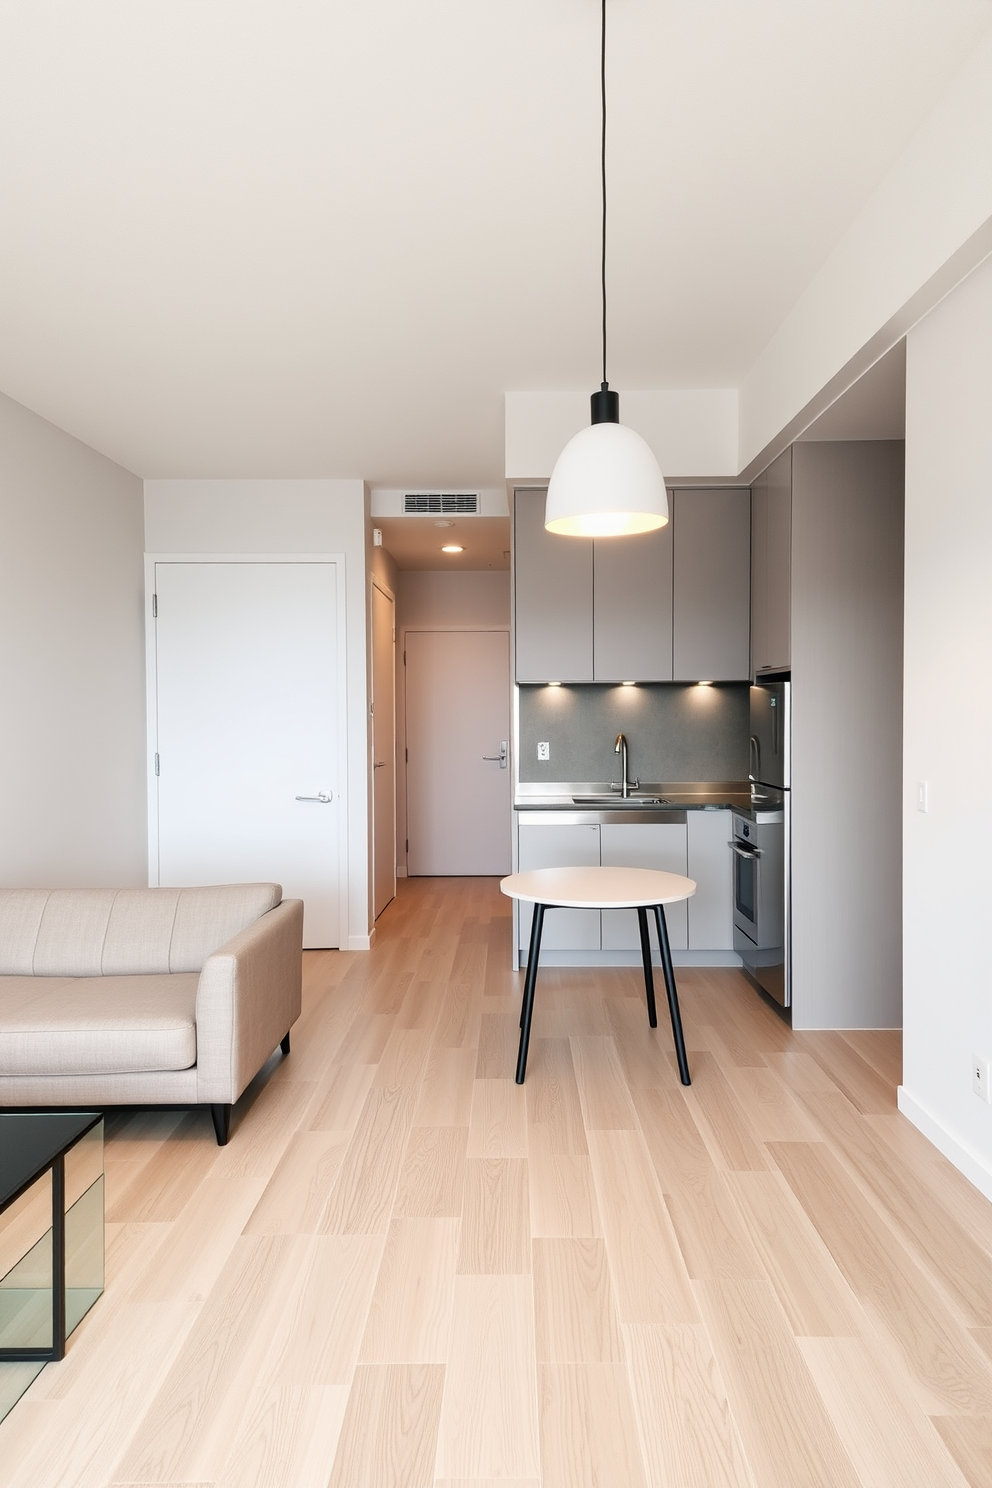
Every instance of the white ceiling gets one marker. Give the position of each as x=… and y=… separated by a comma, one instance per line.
x=415, y=543
x=299, y=237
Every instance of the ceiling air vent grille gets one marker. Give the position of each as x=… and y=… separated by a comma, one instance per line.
x=415, y=502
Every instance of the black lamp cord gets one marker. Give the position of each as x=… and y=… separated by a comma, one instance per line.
x=602, y=70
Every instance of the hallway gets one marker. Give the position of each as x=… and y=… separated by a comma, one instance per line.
x=405, y=1270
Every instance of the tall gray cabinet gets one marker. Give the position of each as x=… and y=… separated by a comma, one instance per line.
x=771, y=566
x=827, y=604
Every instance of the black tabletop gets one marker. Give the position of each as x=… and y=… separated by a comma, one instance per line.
x=30, y=1141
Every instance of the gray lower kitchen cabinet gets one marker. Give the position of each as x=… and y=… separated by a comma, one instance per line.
x=632, y=608
x=709, y=860
x=546, y=845
x=711, y=587
x=553, y=598
x=771, y=566
x=643, y=845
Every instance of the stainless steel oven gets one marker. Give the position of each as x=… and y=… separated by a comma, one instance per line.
x=760, y=929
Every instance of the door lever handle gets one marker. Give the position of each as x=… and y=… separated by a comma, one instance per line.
x=504, y=745
x=324, y=797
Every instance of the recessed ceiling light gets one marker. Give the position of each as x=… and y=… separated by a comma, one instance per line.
x=452, y=548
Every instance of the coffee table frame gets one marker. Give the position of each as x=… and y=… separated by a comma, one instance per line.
x=56, y=1165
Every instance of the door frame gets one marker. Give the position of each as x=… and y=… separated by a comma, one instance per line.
x=384, y=589
x=151, y=695
x=401, y=635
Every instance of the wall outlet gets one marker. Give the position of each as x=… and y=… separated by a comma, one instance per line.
x=981, y=1077
x=544, y=751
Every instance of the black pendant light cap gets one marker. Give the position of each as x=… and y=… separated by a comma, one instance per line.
x=605, y=406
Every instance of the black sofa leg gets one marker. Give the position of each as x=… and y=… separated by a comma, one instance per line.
x=284, y=1046
x=222, y=1123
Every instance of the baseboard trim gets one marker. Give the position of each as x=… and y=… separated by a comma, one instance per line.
x=975, y=1168
x=630, y=958
x=361, y=942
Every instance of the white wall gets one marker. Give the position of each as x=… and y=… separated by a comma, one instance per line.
x=948, y=725
x=442, y=601
x=292, y=516
x=72, y=772
x=925, y=226
x=693, y=432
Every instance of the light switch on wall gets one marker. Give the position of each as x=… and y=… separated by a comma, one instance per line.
x=922, y=795
x=544, y=751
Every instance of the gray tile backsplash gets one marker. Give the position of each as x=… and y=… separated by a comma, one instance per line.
x=675, y=731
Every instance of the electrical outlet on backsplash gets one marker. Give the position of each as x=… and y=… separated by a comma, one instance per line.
x=674, y=731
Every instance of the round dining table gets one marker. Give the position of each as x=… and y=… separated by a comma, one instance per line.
x=640, y=889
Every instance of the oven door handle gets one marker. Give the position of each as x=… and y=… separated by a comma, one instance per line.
x=745, y=852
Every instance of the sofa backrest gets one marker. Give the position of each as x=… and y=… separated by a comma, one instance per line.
x=123, y=932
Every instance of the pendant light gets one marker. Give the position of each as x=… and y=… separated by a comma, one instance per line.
x=606, y=481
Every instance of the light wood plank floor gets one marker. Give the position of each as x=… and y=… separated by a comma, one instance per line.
x=404, y=1270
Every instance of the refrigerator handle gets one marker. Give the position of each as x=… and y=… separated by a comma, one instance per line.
x=754, y=757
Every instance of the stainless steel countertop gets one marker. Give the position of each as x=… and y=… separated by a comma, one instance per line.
x=672, y=799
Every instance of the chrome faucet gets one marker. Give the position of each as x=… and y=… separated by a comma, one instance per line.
x=620, y=748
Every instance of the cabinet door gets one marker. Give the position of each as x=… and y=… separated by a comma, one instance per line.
x=759, y=572
x=552, y=597
x=778, y=635
x=710, y=910
x=632, y=607
x=543, y=845
x=712, y=582
x=643, y=845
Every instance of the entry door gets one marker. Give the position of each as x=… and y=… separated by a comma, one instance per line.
x=383, y=749
x=246, y=723
x=457, y=718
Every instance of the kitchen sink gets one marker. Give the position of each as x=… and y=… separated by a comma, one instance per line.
x=621, y=801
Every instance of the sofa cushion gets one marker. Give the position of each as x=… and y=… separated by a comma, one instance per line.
x=96, y=1026
x=123, y=932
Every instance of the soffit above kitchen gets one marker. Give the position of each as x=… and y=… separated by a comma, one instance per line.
x=305, y=239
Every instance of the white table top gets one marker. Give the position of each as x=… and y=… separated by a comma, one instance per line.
x=598, y=888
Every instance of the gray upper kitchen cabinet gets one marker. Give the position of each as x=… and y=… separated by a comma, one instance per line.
x=553, y=598
x=711, y=588
x=632, y=608
x=771, y=566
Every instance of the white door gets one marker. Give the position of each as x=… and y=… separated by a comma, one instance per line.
x=457, y=726
x=383, y=749
x=247, y=722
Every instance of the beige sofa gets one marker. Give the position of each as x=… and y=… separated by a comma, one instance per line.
x=145, y=996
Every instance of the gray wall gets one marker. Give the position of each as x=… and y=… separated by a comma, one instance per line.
x=72, y=689
x=675, y=732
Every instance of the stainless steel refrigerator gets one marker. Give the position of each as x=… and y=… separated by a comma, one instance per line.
x=761, y=843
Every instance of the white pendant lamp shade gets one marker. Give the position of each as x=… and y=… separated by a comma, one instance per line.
x=606, y=483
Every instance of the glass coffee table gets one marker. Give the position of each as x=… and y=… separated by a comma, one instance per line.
x=51, y=1237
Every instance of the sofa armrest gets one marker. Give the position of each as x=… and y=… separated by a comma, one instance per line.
x=248, y=997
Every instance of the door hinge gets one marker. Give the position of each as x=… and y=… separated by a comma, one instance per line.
x=154, y=606
x=408, y=844
x=404, y=658
x=406, y=756
x=156, y=764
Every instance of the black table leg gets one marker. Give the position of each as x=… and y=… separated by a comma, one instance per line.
x=58, y=1257
x=642, y=925
x=673, y=996
x=526, y=1012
